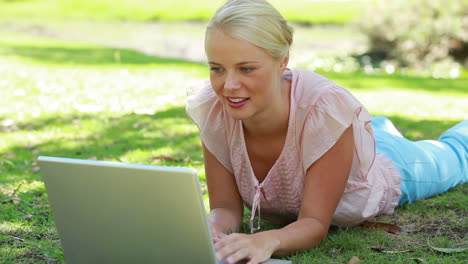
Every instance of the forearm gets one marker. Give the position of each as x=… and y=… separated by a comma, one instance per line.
x=303, y=234
x=226, y=220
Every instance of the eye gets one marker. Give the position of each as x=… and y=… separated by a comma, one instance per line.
x=247, y=69
x=216, y=69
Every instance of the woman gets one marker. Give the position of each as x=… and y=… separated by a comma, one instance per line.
x=297, y=149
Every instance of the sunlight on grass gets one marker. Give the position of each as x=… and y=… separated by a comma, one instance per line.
x=145, y=10
x=415, y=104
x=21, y=187
x=422, y=85
x=7, y=227
x=34, y=135
x=11, y=252
x=33, y=91
x=136, y=156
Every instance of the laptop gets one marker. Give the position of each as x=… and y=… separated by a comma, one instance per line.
x=112, y=212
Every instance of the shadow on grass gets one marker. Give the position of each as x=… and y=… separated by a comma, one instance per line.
x=164, y=139
x=87, y=55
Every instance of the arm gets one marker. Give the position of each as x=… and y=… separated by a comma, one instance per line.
x=324, y=185
x=225, y=201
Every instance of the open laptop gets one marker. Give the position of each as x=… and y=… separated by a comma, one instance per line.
x=111, y=212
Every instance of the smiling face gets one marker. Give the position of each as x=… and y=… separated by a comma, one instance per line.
x=246, y=79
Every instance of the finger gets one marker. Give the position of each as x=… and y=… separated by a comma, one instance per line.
x=217, y=237
x=252, y=261
x=228, y=245
x=225, y=251
x=225, y=240
x=240, y=254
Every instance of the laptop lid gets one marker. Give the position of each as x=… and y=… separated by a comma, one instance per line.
x=110, y=212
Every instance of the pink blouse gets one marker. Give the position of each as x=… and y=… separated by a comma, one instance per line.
x=320, y=111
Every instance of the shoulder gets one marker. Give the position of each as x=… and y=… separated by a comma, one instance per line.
x=324, y=110
x=200, y=93
x=205, y=110
x=315, y=94
x=203, y=106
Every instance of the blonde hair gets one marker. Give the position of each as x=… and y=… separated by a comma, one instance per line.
x=257, y=22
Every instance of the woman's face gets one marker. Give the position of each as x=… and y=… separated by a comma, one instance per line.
x=246, y=79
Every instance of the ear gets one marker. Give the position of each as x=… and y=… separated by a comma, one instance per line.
x=284, y=63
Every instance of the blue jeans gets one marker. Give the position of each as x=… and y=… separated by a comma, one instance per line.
x=427, y=167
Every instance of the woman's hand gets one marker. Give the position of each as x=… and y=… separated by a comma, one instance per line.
x=255, y=248
x=216, y=233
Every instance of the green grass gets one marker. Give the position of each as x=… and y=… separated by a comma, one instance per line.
x=300, y=11
x=64, y=98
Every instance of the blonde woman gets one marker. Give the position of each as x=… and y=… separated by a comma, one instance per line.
x=296, y=148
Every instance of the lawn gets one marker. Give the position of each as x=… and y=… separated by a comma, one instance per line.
x=299, y=11
x=72, y=99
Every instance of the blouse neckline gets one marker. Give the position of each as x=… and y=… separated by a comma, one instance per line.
x=286, y=141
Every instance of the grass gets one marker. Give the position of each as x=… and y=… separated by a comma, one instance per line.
x=72, y=99
x=299, y=11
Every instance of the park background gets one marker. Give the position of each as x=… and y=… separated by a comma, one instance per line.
x=107, y=80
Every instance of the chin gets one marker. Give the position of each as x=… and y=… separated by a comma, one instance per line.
x=238, y=114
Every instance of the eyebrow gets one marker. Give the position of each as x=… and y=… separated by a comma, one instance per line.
x=240, y=63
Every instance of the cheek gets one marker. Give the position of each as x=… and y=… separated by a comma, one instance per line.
x=217, y=84
x=263, y=84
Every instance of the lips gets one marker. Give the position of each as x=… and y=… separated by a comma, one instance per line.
x=237, y=102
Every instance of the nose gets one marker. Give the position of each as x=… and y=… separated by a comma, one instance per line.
x=232, y=81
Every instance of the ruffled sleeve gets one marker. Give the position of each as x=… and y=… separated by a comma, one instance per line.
x=334, y=110
x=208, y=114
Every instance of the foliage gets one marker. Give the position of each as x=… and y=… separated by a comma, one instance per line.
x=418, y=33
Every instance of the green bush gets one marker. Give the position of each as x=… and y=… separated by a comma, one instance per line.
x=417, y=33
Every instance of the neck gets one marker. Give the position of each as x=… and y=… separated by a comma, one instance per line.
x=274, y=122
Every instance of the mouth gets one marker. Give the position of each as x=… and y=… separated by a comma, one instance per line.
x=237, y=101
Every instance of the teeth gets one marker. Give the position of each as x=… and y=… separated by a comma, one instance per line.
x=237, y=100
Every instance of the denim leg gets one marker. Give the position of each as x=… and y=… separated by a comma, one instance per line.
x=427, y=167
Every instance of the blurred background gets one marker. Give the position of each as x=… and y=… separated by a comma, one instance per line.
x=107, y=79
x=425, y=38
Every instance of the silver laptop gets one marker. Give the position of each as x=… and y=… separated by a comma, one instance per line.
x=111, y=212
